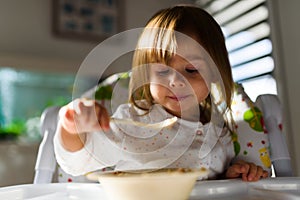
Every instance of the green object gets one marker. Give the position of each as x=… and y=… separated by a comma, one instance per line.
x=236, y=144
x=254, y=117
x=104, y=92
x=1, y=116
x=58, y=101
x=237, y=147
x=12, y=130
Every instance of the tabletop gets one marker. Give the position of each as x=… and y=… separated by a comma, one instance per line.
x=270, y=188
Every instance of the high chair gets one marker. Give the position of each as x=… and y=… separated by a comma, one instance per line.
x=258, y=137
x=281, y=161
x=46, y=163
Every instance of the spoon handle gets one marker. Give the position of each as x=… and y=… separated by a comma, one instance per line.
x=158, y=125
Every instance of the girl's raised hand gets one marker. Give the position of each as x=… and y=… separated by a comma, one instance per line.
x=83, y=115
x=247, y=171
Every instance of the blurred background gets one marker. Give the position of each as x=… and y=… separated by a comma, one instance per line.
x=44, y=42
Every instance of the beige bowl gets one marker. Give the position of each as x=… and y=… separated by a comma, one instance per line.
x=158, y=185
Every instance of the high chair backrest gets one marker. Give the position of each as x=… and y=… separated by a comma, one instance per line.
x=271, y=108
x=258, y=137
x=46, y=163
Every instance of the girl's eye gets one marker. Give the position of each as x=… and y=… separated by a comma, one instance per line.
x=163, y=72
x=191, y=70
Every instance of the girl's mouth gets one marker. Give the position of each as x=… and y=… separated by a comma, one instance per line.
x=178, y=98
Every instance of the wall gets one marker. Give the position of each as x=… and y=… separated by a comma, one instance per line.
x=287, y=50
x=26, y=40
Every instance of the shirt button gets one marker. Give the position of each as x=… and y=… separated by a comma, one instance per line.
x=199, y=132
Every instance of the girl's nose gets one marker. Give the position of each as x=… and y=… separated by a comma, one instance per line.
x=177, y=80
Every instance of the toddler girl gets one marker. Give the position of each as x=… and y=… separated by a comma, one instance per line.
x=180, y=68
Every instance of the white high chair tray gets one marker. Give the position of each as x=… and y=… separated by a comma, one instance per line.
x=272, y=188
x=57, y=191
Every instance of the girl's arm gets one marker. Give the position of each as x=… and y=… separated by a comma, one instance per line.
x=77, y=119
x=70, y=141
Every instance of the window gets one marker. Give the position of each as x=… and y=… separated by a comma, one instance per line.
x=25, y=94
x=247, y=32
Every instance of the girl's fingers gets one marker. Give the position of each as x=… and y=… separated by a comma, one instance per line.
x=247, y=171
x=67, y=117
x=265, y=174
x=255, y=173
x=245, y=177
x=252, y=172
x=232, y=172
x=243, y=167
x=261, y=173
x=83, y=115
x=236, y=170
x=75, y=105
x=104, y=119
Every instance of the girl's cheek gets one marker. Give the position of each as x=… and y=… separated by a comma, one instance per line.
x=159, y=81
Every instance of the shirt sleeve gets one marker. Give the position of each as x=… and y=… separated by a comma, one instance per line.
x=79, y=162
x=96, y=151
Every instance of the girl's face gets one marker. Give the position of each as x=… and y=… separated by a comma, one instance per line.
x=182, y=85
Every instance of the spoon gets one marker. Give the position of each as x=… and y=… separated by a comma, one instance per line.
x=158, y=125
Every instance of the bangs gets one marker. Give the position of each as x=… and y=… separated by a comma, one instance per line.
x=152, y=48
x=156, y=45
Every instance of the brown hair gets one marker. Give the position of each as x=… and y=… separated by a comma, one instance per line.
x=157, y=43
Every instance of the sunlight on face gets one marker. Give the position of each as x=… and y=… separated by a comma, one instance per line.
x=183, y=83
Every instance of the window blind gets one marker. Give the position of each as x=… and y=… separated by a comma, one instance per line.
x=247, y=32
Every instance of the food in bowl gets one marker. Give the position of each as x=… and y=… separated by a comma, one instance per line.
x=168, y=184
